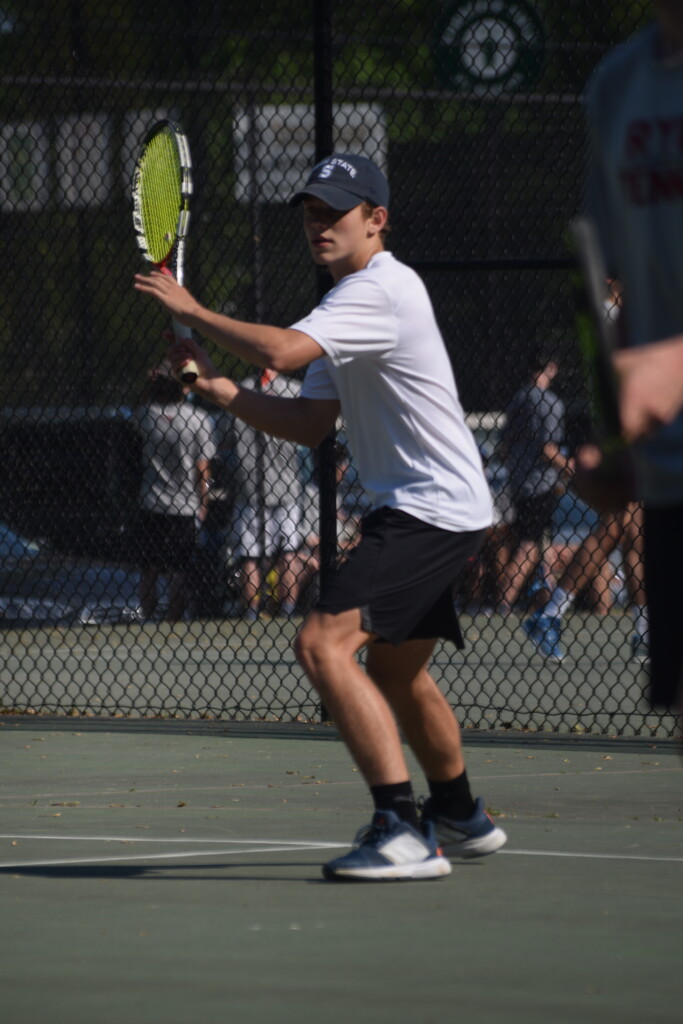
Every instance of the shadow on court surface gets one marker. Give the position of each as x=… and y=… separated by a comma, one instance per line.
x=156, y=871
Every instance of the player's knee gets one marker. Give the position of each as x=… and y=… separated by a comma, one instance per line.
x=308, y=647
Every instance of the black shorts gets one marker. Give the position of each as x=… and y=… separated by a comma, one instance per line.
x=663, y=572
x=534, y=516
x=165, y=542
x=401, y=575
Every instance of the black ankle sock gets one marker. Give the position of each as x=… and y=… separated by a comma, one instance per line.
x=453, y=799
x=398, y=798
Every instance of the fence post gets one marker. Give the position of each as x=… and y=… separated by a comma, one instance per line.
x=324, y=144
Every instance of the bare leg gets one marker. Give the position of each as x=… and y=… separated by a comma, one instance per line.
x=425, y=716
x=251, y=583
x=326, y=648
x=591, y=555
x=634, y=554
x=288, y=578
x=519, y=569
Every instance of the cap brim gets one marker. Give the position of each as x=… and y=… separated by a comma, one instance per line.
x=337, y=198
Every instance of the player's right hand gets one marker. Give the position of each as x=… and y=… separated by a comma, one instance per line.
x=182, y=351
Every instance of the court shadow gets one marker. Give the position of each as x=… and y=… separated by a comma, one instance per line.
x=175, y=872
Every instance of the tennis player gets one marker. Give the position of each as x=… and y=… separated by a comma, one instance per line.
x=374, y=351
x=635, y=114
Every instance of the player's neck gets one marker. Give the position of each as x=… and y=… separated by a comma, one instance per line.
x=356, y=261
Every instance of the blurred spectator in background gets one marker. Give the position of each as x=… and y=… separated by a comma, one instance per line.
x=484, y=584
x=590, y=567
x=266, y=519
x=573, y=523
x=178, y=443
x=531, y=447
x=351, y=506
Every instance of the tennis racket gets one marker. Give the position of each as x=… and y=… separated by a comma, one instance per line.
x=598, y=342
x=162, y=186
x=597, y=335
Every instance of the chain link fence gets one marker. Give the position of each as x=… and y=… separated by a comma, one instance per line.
x=473, y=109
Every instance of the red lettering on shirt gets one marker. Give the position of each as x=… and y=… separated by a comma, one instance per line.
x=638, y=134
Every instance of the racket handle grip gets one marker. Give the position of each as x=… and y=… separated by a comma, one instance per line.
x=189, y=373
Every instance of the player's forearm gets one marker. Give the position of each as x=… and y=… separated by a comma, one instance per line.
x=280, y=348
x=262, y=345
x=292, y=419
x=257, y=344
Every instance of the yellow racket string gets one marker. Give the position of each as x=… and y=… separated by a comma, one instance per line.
x=159, y=192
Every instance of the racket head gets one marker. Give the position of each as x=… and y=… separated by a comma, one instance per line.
x=162, y=187
x=597, y=334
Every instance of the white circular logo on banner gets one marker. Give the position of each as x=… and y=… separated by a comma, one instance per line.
x=489, y=45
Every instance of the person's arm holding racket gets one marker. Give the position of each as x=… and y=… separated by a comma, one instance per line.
x=279, y=348
x=303, y=420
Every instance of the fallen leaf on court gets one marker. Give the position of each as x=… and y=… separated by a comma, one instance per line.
x=182, y=803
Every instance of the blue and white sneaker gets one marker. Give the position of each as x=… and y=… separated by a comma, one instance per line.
x=545, y=633
x=475, y=837
x=387, y=850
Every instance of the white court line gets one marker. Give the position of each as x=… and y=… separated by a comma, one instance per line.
x=264, y=846
x=77, y=861
x=592, y=856
x=284, y=843
x=244, y=847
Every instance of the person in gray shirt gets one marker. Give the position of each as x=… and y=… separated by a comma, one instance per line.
x=177, y=445
x=532, y=450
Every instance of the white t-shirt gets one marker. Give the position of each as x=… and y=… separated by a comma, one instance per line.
x=386, y=362
x=175, y=437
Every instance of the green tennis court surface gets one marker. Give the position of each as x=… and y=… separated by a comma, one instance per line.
x=156, y=871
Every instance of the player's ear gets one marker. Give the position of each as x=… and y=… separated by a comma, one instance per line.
x=378, y=219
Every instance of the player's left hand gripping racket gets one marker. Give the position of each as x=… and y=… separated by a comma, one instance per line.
x=162, y=186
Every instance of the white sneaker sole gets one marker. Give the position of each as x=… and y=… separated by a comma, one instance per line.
x=480, y=846
x=435, y=867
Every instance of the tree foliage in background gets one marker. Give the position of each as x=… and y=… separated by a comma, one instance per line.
x=473, y=176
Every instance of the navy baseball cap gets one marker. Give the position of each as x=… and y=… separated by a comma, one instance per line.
x=345, y=180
